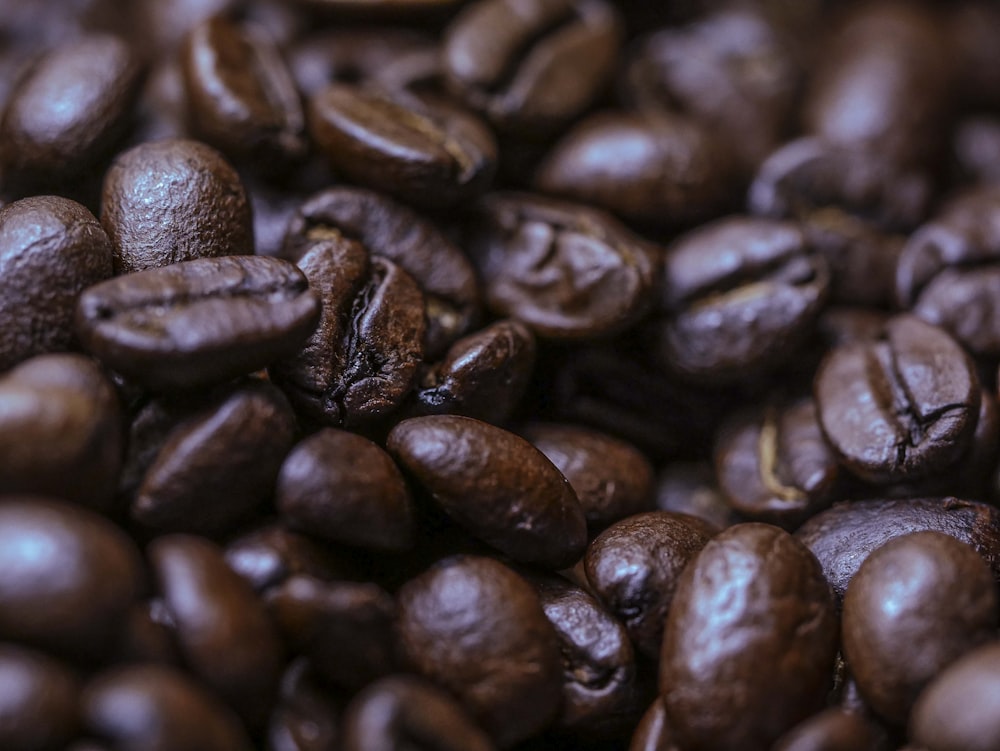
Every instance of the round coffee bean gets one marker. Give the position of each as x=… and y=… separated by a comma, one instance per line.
x=39, y=701
x=476, y=628
x=833, y=730
x=749, y=642
x=51, y=249
x=494, y=484
x=306, y=717
x=916, y=604
x=199, y=322
x=268, y=555
x=174, y=200
x=67, y=577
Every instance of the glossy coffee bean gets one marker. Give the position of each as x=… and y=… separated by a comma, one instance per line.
x=494, y=484
x=634, y=567
x=611, y=478
x=51, y=249
x=199, y=322
x=749, y=642
x=653, y=731
x=268, y=555
x=401, y=710
x=833, y=730
x=900, y=407
x=565, y=270
x=475, y=628
x=156, y=708
x=739, y=295
x=148, y=636
x=961, y=708
x=305, y=717
x=425, y=154
x=67, y=577
x=916, y=604
x=39, y=701
x=342, y=487
x=842, y=537
x=225, y=635
x=531, y=67
x=175, y=200
x=60, y=431
x=241, y=96
x=68, y=111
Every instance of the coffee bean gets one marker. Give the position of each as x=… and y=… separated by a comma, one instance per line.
x=306, y=717
x=199, y=322
x=51, y=249
x=268, y=555
x=494, y=484
x=833, y=730
x=916, y=604
x=475, y=628
x=170, y=201
x=39, y=701
x=976, y=148
x=148, y=636
x=653, y=731
x=749, y=642
x=899, y=407
x=691, y=488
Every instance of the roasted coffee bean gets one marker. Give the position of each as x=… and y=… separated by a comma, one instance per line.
x=155, y=708
x=170, y=201
x=916, y=604
x=148, y=636
x=842, y=537
x=494, y=484
x=224, y=634
x=960, y=710
x=900, y=407
x=67, y=577
x=39, y=701
x=749, y=642
x=611, y=478
x=653, y=731
x=834, y=730
x=241, y=96
x=692, y=488
x=268, y=555
x=198, y=322
x=51, y=249
x=218, y=464
x=306, y=717
x=389, y=229
x=68, y=112
x=634, y=567
x=774, y=464
x=404, y=711
x=431, y=155
x=475, y=628
x=531, y=67
x=60, y=431
x=653, y=168
x=342, y=487
x=483, y=375
x=344, y=628
x=739, y=295
x=566, y=270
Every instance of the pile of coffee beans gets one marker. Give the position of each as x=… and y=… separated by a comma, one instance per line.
x=515, y=375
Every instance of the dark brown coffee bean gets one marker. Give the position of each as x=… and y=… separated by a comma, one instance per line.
x=218, y=464
x=739, y=295
x=67, y=577
x=68, y=111
x=960, y=710
x=269, y=555
x=475, y=628
x=634, y=567
x=51, y=249
x=430, y=155
x=199, y=322
x=834, y=730
x=39, y=701
x=344, y=628
x=224, y=633
x=567, y=271
x=653, y=168
x=842, y=537
x=342, y=487
x=692, y=488
x=531, y=67
x=60, y=431
x=171, y=201
x=241, y=96
x=494, y=484
x=749, y=642
x=148, y=636
x=389, y=229
x=917, y=604
x=157, y=708
x=653, y=731
x=305, y=717
x=900, y=407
